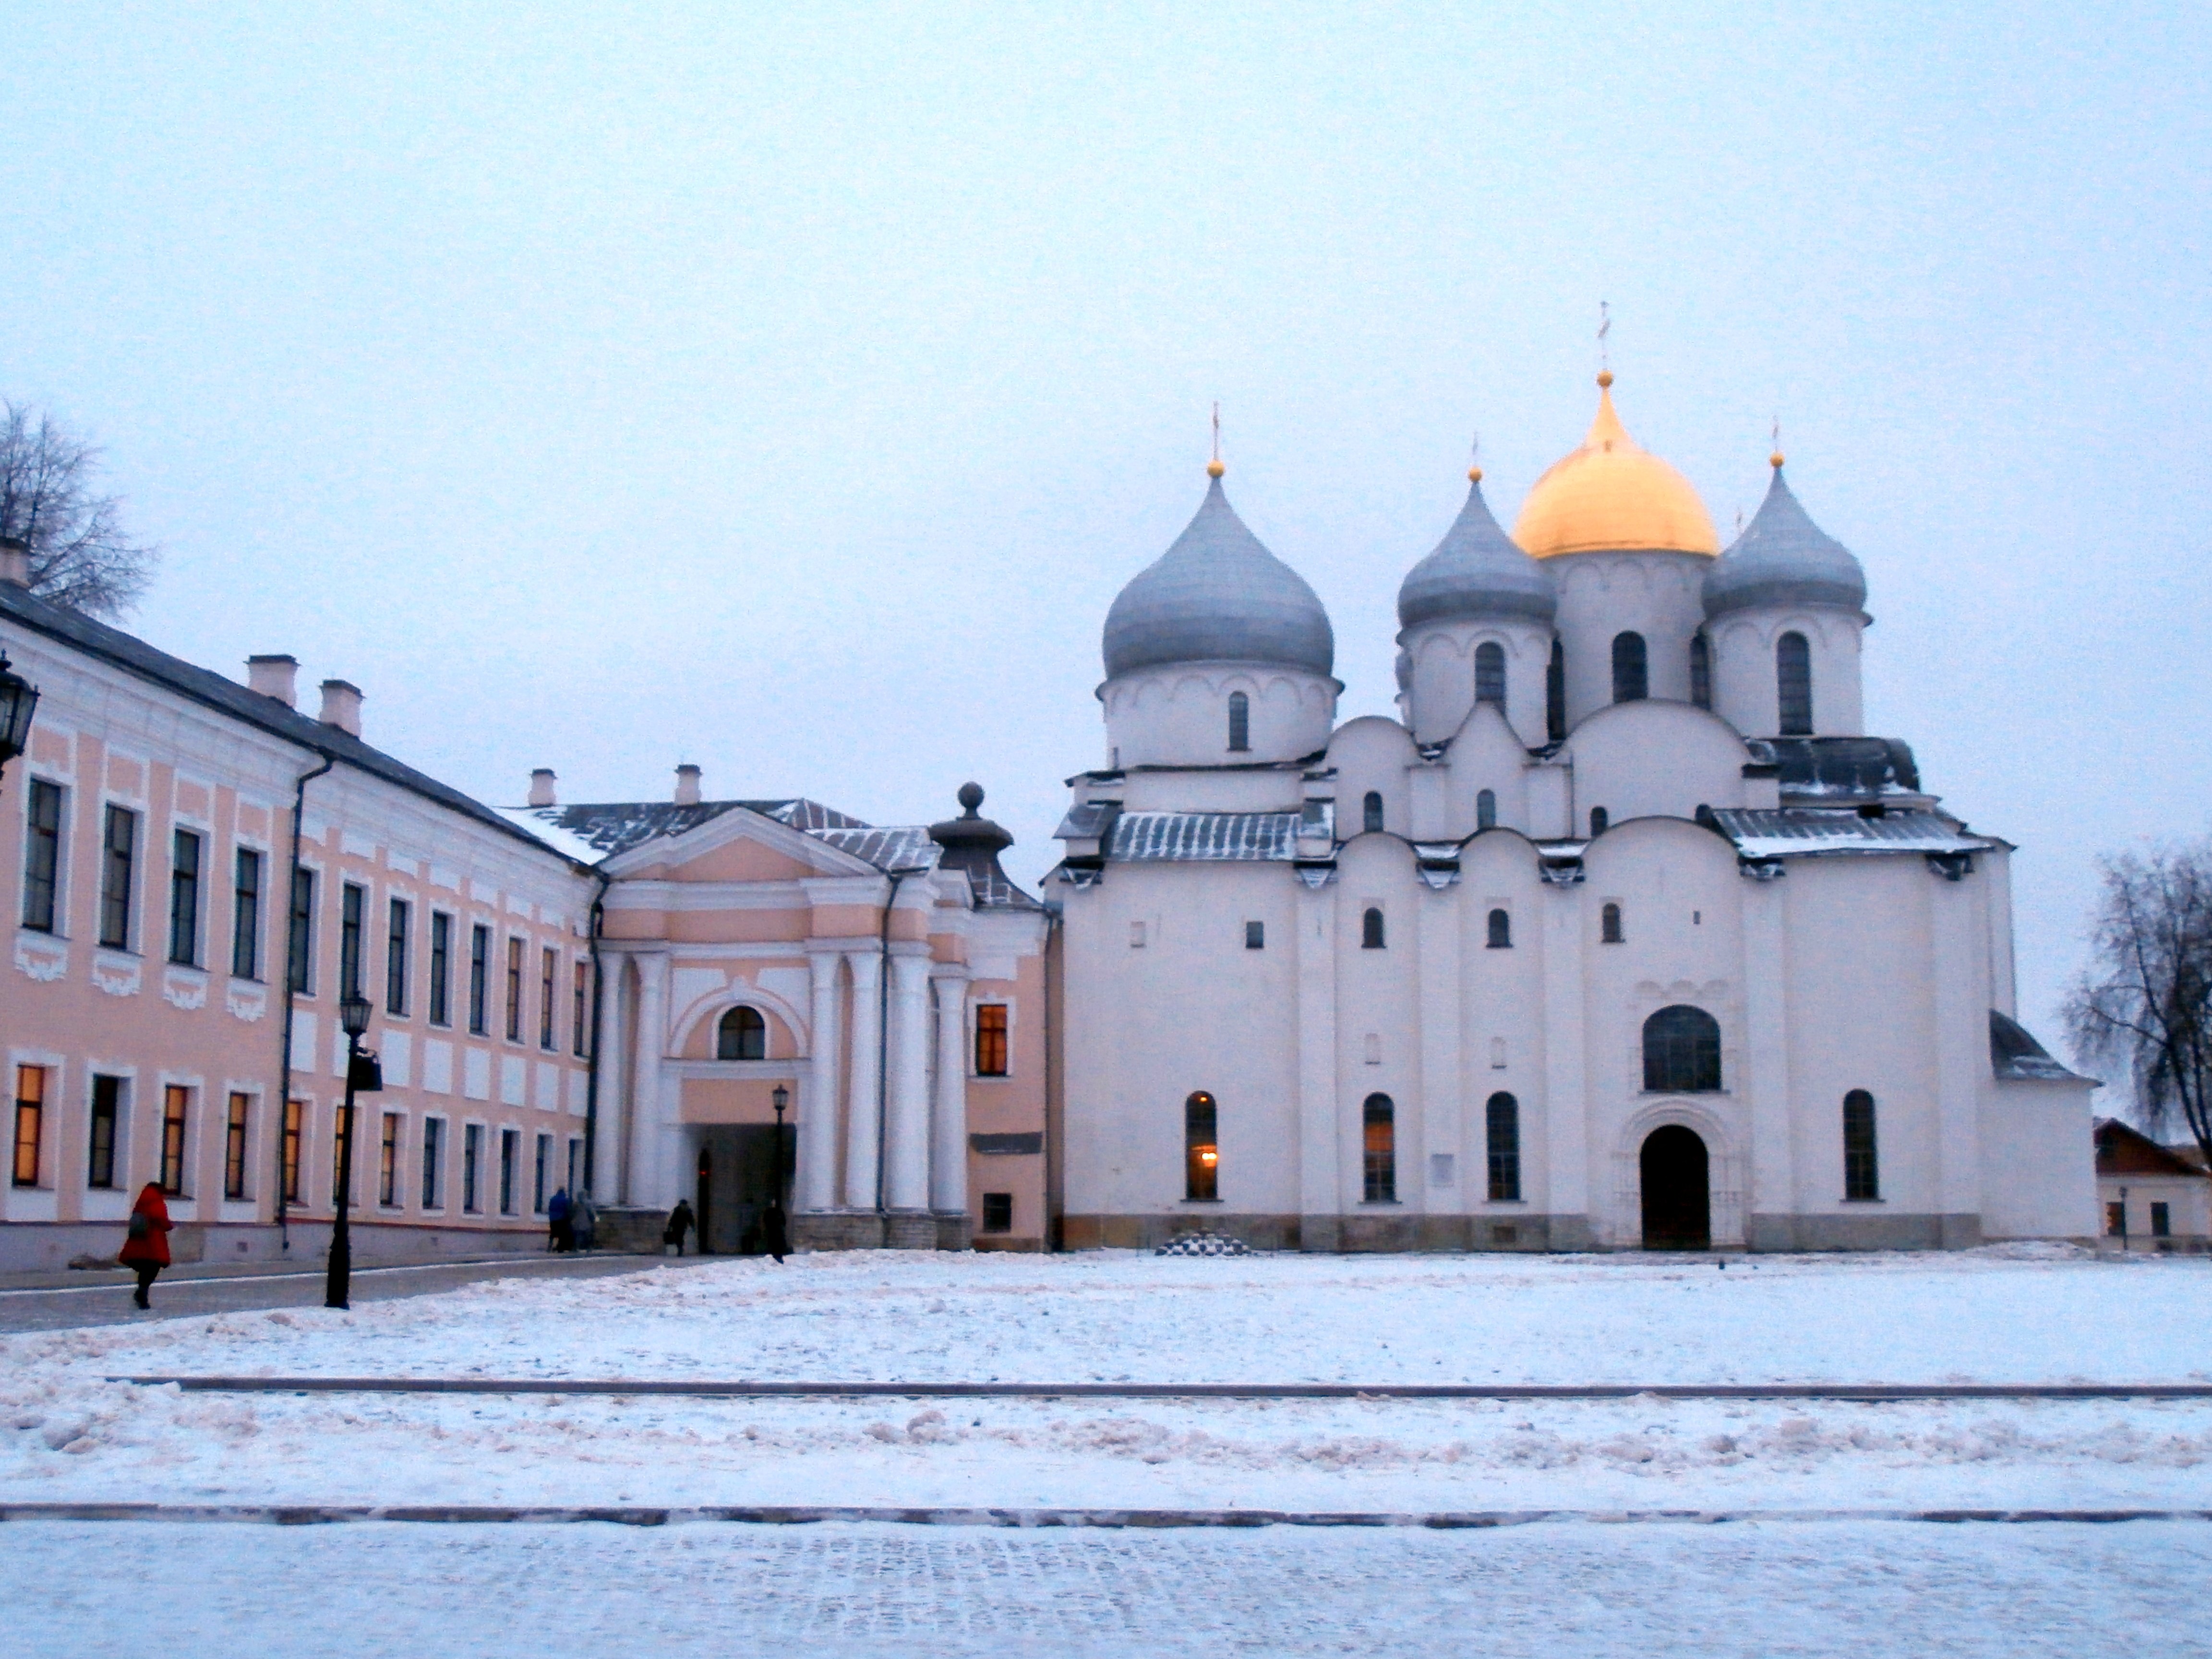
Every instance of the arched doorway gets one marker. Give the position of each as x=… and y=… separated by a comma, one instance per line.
x=1677, y=1190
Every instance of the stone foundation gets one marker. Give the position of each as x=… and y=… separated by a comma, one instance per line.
x=864, y=1230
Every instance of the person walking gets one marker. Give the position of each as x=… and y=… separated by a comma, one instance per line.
x=583, y=1223
x=146, y=1245
x=779, y=1234
x=561, y=1235
x=680, y=1222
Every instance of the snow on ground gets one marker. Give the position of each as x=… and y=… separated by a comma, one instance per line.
x=1609, y=1592
x=2041, y=1315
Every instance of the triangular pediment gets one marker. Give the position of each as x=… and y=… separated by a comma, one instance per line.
x=737, y=846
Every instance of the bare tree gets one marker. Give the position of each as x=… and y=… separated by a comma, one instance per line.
x=49, y=499
x=2145, y=1001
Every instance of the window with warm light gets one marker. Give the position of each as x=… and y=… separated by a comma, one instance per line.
x=1201, y=1148
x=991, y=1056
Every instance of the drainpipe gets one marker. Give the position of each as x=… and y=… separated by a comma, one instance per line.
x=284, y=1065
x=592, y=1054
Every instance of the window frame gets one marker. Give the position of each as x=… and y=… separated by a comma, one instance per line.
x=119, y=870
x=1240, y=723
x=1609, y=926
x=45, y=890
x=353, y=922
x=510, y=1168
x=1861, y=1148
x=1501, y=1145
x=300, y=931
x=1490, y=675
x=1631, y=668
x=292, y=1177
x=237, y=1144
x=549, y=992
x=472, y=1149
x=1678, y=1048
x=391, y=1134
x=432, y=1142
x=1373, y=930
x=398, y=952
x=479, y=979
x=1370, y=812
x=102, y=1153
x=996, y=1215
x=176, y=1129
x=991, y=1051
x=1555, y=693
x=581, y=1017
x=1201, y=1132
x=1701, y=670
x=184, y=895
x=1255, y=935
x=733, y=1033
x=542, y=1171
x=1485, y=809
x=516, y=947
x=1793, y=684
x=1379, y=1150
x=31, y=1113
x=1499, y=926
x=440, y=1012
x=246, y=911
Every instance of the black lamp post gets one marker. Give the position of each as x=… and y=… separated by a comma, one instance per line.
x=18, y=697
x=781, y=1101
x=353, y=1014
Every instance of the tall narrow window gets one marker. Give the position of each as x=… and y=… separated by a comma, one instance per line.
x=1555, y=693
x=441, y=969
x=1370, y=929
x=1490, y=673
x=1370, y=811
x=30, y=1123
x=541, y=1174
x=1240, y=721
x=575, y=1163
x=1502, y=1125
x=514, y=948
x=107, y=1123
x=237, y=1141
x=42, y=857
x=399, y=935
x=1862, y=1165
x=295, y=1140
x=580, y=1020
x=1632, y=671
x=1486, y=809
x=433, y=1162
x=1601, y=820
x=1793, y=677
x=119, y=856
x=548, y=973
x=479, y=979
x=471, y=1167
x=302, y=944
x=245, y=915
x=352, y=901
x=1379, y=1149
x=1609, y=925
x=176, y=1101
x=1681, y=1050
x=387, y=1162
x=184, y=898
x=1201, y=1150
x=1501, y=931
x=990, y=1039
x=742, y=1035
x=350, y=1182
x=510, y=1162
x=1701, y=670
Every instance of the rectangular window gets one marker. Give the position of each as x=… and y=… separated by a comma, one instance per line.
x=236, y=1139
x=1255, y=935
x=1861, y=1169
x=342, y=1177
x=433, y=1162
x=510, y=1160
x=184, y=899
x=352, y=901
x=472, y=1164
x=1379, y=1150
x=547, y=976
x=581, y=1019
x=514, y=990
x=544, y=1168
x=30, y=1122
x=998, y=1212
x=387, y=1162
x=2161, y=1220
x=399, y=927
x=2116, y=1221
x=441, y=969
x=118, y=855
x=107, y=1120
x=301, y=954
x=296, y=1131
x=245, y=916
x=990, y=1039
x=1202, y=1150
x=479, y=976
x=42, y=858
x=176, y=1100
x=1502, y=1125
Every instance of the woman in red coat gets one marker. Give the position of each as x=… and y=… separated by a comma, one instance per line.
x=146, y=1251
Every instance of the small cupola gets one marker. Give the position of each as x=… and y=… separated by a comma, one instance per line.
x=972, y=844
x=1783, y=558
x=1476, y=572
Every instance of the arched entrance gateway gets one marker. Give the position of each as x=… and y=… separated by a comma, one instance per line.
x=1677, y=1190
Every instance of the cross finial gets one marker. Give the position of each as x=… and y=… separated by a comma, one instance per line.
x=1213, y=468
x=1604, y=328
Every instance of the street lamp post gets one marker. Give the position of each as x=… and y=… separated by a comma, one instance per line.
x=18, y=698
x=781, y=1101
x=353, y=1014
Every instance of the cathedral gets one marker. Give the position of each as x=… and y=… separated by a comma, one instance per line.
x=1624, y=934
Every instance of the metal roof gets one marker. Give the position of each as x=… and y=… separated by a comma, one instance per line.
x=1204, y=837
x=2014, y=1055
x=1783, y=558
x=1760, y=832
x=1840, y=767
x=1476, y=570
x=906, y=848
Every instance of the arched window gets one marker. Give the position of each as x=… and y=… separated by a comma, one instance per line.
x=1632, y=671
x=1370, y=929
x=1502, y=1122
x=1501, y=931
x=1201, y=1148
x=1486, y=809
x=1862, y=1168
x=1701, y=670
x=1370, y=811
x=1555, y=693
x=1240, y=721
x=1681, y=1050
x=742, y=1035
x=1379, y=1143
x=1793, y=677
x=1609, y=925
x=1599, y=820
x=1490, y=673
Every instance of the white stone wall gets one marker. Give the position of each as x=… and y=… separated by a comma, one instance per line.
x=1179, y=716
x=1747, y=692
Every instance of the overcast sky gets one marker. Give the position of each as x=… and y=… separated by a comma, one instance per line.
x=790, y=389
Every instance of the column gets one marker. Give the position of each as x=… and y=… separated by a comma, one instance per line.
x=863, y=1117
x=816, y=1177
x=948, y=1154
x=610, y=1053
x=1570, y=1160
x=1772, y=1206
x=654, y=1180
x=907, y=1122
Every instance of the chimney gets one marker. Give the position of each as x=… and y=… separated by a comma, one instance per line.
x=687, y=784
x=541, y=787
x=14, y=562
x=275, y=676
x=342, y=707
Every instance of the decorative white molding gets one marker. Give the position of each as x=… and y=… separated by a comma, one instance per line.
x=119, y=977
x=40, y=961
x=186, y=991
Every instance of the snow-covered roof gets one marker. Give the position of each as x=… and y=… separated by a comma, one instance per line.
x=1205, y=837
x=591, y=834
x=906, y=848
x=1761, y=832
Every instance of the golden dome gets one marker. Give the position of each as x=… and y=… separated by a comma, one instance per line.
x=1609, y=494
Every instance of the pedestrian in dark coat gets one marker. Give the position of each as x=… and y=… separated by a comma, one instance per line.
x=563, y=1234
x=680, y=1222
x=779, y=1234
x=146, y=1247
x=583, y=1223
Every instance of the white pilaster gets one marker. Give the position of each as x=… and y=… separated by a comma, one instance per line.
x=948, y=1155
x=1773, y=1150
x=908, y=1122
x=653, y=1161
x=1318, y=1197
x=864, y=1113
x=1437, y=1127
x=1962, y=1052
x=1568, y=1158
x=611, y=1048
x=816, y=1177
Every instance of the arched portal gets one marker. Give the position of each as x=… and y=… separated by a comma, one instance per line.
x=1678, y=1211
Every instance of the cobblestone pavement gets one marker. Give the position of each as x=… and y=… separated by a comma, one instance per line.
x=105, y=1298
x=88, y=1590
